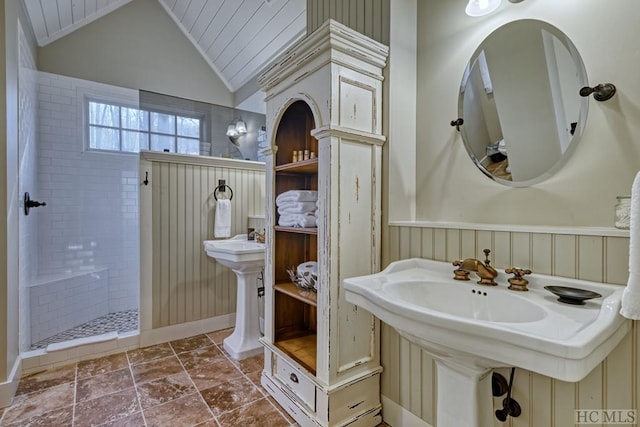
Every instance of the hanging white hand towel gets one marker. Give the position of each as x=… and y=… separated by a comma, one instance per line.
x=631, y=295
x=222, y=220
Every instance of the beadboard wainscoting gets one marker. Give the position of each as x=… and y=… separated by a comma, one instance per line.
x=366, y=17
x=180, y=284
x=409, y=376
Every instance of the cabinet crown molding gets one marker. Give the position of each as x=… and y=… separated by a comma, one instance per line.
x=329, y=39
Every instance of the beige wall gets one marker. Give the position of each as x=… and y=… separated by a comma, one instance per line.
x=10, y=12
x=399, y=118
x=5, y=184
x=137, y=46
x=451, y=188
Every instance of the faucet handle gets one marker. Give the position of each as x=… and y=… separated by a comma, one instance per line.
x=487, y=261
x=518, y=282
x=260, y=237
x=459, y=273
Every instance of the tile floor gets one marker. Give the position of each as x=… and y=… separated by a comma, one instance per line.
x=121, y=321
x=189, y=382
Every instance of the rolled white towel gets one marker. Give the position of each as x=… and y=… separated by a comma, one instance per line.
x=297, y=196
x=307, y=221
x=299, y=207
x=297, y=220
x=631, y=294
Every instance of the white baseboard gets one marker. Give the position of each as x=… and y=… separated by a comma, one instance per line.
x=65, y=345
x=41, y=359
x=8, y=388
x=184, y=330
x=397, y=416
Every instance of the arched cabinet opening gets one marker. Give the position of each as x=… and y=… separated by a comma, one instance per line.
x=294, y=133
x=296, y=243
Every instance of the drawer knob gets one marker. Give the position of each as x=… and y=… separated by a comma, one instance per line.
x=293, y=378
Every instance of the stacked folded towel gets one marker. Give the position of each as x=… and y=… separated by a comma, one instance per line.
x=631, y=294
x=298, y=208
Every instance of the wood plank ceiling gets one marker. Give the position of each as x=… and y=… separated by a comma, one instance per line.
x=237, y=38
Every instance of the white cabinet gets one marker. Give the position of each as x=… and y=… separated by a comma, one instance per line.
x=324, y=95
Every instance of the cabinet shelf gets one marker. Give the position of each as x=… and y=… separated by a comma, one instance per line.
x=288, y=288
x=302, y=350
x=301, y=167
x=299, y=230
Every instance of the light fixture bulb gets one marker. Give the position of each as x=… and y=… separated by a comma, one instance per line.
x=482, y=7
x=241, y=127
x=231, y=131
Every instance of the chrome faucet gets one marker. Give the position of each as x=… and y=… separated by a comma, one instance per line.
x=482, y=269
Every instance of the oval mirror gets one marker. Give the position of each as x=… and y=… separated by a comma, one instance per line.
x=520, y=102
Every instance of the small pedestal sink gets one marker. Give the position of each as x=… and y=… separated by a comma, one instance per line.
x=246, y=259
x=470, y=329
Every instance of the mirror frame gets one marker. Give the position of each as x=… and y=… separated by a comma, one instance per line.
x=582, y=117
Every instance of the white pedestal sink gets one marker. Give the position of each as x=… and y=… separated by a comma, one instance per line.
x=470, y=329
x=246, y=259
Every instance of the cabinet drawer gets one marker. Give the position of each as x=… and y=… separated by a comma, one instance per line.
x=300, y=385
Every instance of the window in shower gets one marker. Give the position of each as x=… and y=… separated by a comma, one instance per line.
x=122, y=128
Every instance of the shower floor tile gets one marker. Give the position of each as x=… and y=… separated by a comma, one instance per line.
x=121, y=321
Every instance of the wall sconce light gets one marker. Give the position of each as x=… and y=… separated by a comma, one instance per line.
x=235, y=130
x=482, y=7
x=231, y=131
x=241, y=127
x=602, y=92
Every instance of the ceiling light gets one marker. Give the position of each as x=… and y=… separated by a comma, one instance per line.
x=482, y=7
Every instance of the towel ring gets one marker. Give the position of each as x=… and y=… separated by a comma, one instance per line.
x=222, y=188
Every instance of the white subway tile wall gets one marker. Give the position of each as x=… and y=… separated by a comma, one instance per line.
x=58, y=304
x=91, y=217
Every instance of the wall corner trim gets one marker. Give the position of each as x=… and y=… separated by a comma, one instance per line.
x=395, y=415
x=8, y=388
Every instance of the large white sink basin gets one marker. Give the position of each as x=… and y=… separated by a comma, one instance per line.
x=491, y=324
x=468, y=302
x=470, y=329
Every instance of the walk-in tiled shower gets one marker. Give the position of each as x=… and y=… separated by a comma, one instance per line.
x=80, y=261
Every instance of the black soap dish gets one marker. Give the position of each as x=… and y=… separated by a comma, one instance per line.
x=573, y=296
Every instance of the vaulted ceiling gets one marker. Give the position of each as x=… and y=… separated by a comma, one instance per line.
x=237, y=38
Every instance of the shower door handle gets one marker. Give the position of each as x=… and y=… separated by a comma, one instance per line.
x=28, y=203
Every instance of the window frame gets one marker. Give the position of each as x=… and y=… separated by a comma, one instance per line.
x=147, y=132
